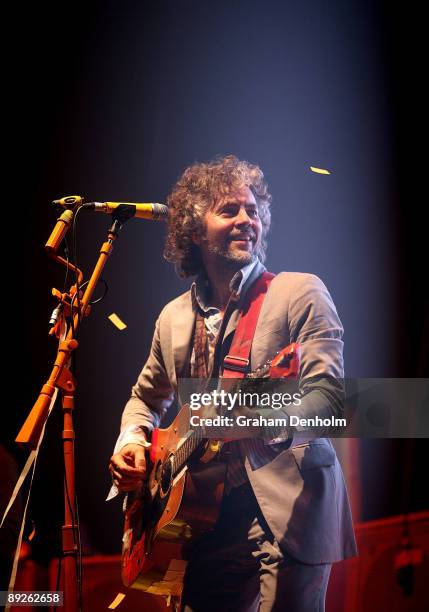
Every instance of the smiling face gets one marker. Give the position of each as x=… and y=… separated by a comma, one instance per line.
x=232, y=231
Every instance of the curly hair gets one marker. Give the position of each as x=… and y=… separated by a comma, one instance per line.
x=198, y=190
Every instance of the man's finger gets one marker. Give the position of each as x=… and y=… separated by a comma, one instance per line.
x=126, y=477
x=129, y=471
x=133, y=453
x=118, y=463
x=131, y=484
x=140, y=459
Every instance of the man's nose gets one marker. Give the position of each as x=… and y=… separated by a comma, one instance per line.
x=242, y=217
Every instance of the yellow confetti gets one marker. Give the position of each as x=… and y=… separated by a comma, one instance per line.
x=115, y=603
x=319, y=170
x=117, y=321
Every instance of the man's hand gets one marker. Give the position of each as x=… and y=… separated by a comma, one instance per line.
x=128, y=467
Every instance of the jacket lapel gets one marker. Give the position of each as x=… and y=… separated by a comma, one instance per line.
x=182, y=328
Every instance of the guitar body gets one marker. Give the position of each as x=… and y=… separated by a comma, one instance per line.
x=178, y=505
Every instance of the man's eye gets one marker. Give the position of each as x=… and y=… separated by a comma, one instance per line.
x=232, y=211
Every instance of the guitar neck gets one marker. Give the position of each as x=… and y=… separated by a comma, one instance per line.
x=189, y=446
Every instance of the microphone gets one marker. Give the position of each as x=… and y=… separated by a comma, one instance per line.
x=69, y=201
x=126, y=210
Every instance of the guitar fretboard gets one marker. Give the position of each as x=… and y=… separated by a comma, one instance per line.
x=183, y=453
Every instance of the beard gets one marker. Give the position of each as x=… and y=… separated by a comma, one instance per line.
x=231, y=258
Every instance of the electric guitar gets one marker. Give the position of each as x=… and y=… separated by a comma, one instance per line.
x=181, y=495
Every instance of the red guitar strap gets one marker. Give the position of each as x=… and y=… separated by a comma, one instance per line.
x=236, y=364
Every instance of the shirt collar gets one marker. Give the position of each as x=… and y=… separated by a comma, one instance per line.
x=199, y=288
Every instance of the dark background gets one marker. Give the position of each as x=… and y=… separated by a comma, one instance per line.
x=113, y=100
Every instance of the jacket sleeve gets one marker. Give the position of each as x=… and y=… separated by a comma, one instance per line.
x=152, y=394
x=314, y=324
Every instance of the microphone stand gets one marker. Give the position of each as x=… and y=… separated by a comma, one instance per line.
x=75, y=306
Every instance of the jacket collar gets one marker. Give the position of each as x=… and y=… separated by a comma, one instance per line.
x=200, y=288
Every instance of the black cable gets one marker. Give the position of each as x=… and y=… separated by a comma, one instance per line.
x=67, y=258
x=77, y=542
x=75, y=331
x=75, y=523
x=76, y=536
x=75, y=263
x=92, y=302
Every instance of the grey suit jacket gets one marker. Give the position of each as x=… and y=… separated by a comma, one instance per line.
x=301, y=492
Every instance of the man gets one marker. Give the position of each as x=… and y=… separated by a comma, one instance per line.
x=285, y=516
